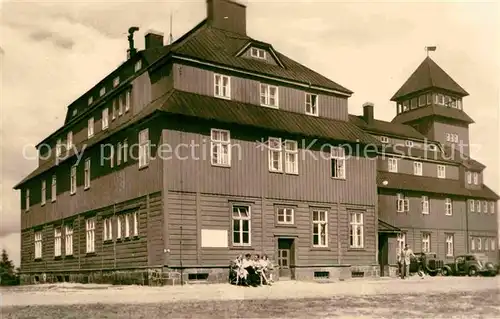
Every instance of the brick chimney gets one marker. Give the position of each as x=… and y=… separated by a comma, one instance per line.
x=154, y=39
x=368, y=115
x=227, y=15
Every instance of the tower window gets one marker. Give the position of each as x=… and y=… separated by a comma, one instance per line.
x=421, y=100
x=429, y=98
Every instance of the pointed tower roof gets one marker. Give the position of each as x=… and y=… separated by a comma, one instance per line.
x=428, y=75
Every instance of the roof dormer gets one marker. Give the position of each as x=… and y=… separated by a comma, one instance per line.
x=260, y=51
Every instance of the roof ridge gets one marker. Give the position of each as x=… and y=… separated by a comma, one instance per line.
x=430, y=70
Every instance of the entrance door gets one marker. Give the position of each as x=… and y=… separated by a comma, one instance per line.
x=286, y=258
x=383, y=252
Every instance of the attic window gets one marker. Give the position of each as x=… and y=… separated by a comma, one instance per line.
x=138, y=65
x=258, y=53
x=91, y=100
x=384, y=139
x=102, y=91
x=116, y=81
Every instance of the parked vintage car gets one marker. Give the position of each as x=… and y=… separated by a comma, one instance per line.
x=470, y=265
x=427, y=263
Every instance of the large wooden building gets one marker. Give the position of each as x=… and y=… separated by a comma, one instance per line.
x=216, y=145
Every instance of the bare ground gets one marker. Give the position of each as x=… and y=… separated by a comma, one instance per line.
x=441, y=297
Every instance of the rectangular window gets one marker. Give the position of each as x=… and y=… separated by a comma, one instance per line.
x=258, y=53
x=285, y=216
x=492, y=207
x=138, y=65
x=425, y=205
x=469, y=178
x=441, y=171
x=68, y=240
x=401, y=243
x=402, y=203
x=108, y=229
x=119, y=154
x=449, y=245
x=454, y=138
x=135, y=223
x=421, y=100
x=426, y=242
x=485, y=207
x=459, y=104
x=90, y=100
x=69, y=141
x=447, y=100
x=90, y=234
x=448, y=137
x=53, y=191
x=143, y=148
x=114, y=109
x=241, y=218
x=320, y=228
x=356, y=230
x=409, y=143
x=222, y=86
x=38, y=245
x=291, y=157
x=448, y=207
x=58, y=148
x=27, y=199
x=112, y=156
x=472, y=243
x=127, y=225
x=57, y=242
x=116, y=81
x=127, y=101
x=44, y=192
x=102, y=91
x=413, y=103
x=440, y=99
x=417, y=168
x=486, y=244
x=471, y=205
x=405, y=106
x=393, y=165
x=105, y=118
x=125, y=151
x=338, y=164
x=479, y=244
x=429, y=98
x=221, y=147
x=478, y=206
x=87, y=174
x=121, y=104
x=476, y=178
x=73, y=180
x=90, y=127
x=268, y=95
x=492, y=244
x=275, y=159
x=119, y=223
x=312, y=104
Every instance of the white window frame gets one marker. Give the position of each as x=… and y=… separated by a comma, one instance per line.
x=473, y=243
x=114, y=108
x=121, y=104
x=90, y=235
x=68, y=240
x=421, y=100
x=138, y=65
x=116, y=81
x=401, y=242
x=311, y=104
x=266, y=96
x=119, y=153
x=86, y=179
x=492, y=207
x=125, y=150
x=72, y=189
x=90, y=100
x=112, y=156
x=127, y=225
x=236, y=215
x=258, y=53
x=425, y=205
x=402, y=203
x=417, y=168
x=426, y=242
x=441, y=171
x=105, y=119
x=220, y=90
x=475, y=176
x=53, y=190
x=454, y=138
x=69, y=141
x=479, y=244
x=127, y=101
x=44, y=192
x=429, y=98
x=285, y=215
x=337, y=156
x=409, y=143
x=492, y=243
x=143, y=148
x=107, y=229
x=275, y=149
x=472, y=205
x=478, y=206
x=291, y=157
x=135, y=224
x=449, y=245
x=384, y=139
x=57, y=242
x=90, y=127
x=448, y=207
x=392, y=165
x=469, y=177
x=38, y=244
x=485, y=207
x=58, y=147
x=486, y=244
x=102, y=91
x=321, y=222
x=119, y=231
x=220, y=147
x=27, y=199
x=356, y=230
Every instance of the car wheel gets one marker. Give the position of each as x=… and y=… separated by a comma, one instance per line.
x=445, y=272
x=472, y=272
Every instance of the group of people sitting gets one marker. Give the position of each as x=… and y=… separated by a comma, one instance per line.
x=252, y=272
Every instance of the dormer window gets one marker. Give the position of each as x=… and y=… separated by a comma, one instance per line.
x=102, y=91
x=138, y=65
x=311, y=104
x=116, y=81
x=90, y=100
x=75, y=111
x=258, y=53
x=269, y=95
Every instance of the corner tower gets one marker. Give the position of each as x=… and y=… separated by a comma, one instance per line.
x=431, y=102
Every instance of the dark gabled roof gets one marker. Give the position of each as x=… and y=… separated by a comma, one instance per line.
x=384, y=227
x=221, y=47
x=387, y=128
x=432, y=110
x=227, y=111
x=407, y=182
x=428, y=75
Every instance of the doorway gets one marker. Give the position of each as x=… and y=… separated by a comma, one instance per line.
x=383, y=253
x=286, y=258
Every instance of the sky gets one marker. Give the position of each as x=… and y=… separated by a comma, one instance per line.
x=52, y=52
